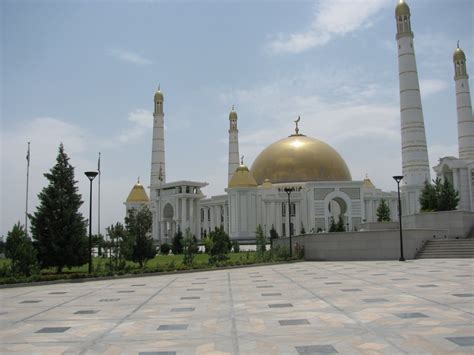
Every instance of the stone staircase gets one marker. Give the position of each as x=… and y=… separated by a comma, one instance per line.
x=447, y=248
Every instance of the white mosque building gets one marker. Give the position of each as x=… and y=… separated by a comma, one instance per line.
x=305, y=177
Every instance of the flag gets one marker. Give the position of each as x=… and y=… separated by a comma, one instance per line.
x=28, y=154
x=98, y=164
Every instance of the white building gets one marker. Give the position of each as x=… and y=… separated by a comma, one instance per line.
x=321, y=184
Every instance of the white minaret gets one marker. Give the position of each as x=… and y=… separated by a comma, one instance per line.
x=464, y=107
x=415, y=163
x=158, y=167
x=233, y=144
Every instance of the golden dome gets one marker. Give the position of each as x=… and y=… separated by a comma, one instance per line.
x=298, y=159
x=459, y=55
x=402, y=9
x=232, y=114
x=158, y=95
x=138, y=194
x=242, y=178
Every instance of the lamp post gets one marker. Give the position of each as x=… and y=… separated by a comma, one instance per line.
x=289, y=190
x=399, y=178
x=91, y=175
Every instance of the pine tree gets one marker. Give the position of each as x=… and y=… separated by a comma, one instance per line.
x=138, y=225
x=449, y=197
x=260, y=241
x=332, y=225
x=57, y=226
x=21, y=252
x=340, y=225
x=439, y=197
x=428, y=199
x=177, y=243
x=383, y=212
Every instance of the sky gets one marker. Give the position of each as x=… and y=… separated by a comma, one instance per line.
x=84, y=73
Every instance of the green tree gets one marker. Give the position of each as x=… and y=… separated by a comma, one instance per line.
x=448, y=197
x=260, y=241
x=2, y=246
x=165, y=248
x=383, y=212
x=302, y=230
x=189, y=247
x=177, y=243
x=340, y=225
x=221, y=245
x=428, y=198
x=121, y=246
x=138, y=225
x=20, y=250
x=332, y=225
x=273, y=233
x=57, y=226
x=235, y=246
x=439, y=197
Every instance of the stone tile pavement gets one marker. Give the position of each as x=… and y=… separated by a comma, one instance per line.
x=378, y=307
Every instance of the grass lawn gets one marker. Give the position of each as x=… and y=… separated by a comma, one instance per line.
x=158, y=261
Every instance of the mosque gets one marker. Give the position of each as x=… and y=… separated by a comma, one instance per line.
x=305, y=177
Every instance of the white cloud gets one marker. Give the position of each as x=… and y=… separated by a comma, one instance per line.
x=331, y=19
x=129, y=57
x=429, y=87
x=142, y=121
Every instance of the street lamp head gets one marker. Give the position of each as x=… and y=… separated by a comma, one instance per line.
x=398, y=178
x=91, y=174
x=289, y=189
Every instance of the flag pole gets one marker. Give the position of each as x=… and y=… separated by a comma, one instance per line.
x=27, y=183
x=98, y=209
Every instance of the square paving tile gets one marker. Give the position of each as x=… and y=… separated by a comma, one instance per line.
x=126, y=291
x=351, y=290
x=198, y=283
x=259, y=281
x=194, y=289
x=271, y=294
x=315, y=349
x=137, y=285
x=157, y=353
x=280, y=305
x=87, y=311
x=191, y=298
x=463, y=275
x=462, y=341
x=173, y=327
x=411, y=315
x=109, y=299
x=320, y=278
x=57, y=293
x=265, y=286
x=463, y=294
x=30, y=301
x=427, y=286
x=53, y=330
x=375, y=300
x=400, y=279
x=333, y=283
x=285, y=322
x=183, y=309
x=378, y=274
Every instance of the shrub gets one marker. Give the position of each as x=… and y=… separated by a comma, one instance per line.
x=165, y=248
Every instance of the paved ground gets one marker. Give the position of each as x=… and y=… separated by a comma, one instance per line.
x=423, y=306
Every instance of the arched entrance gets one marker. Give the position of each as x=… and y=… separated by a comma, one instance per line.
x=337, y=209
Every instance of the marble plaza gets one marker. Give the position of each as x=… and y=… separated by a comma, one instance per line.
x=377, y=307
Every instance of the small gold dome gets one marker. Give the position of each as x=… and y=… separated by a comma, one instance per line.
x=368, y=184
x=402, y=9
x=158, y=95
x=232, y=114
x=459, y=55
x=138, y=194
x=299, y=159
x=242, y=178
